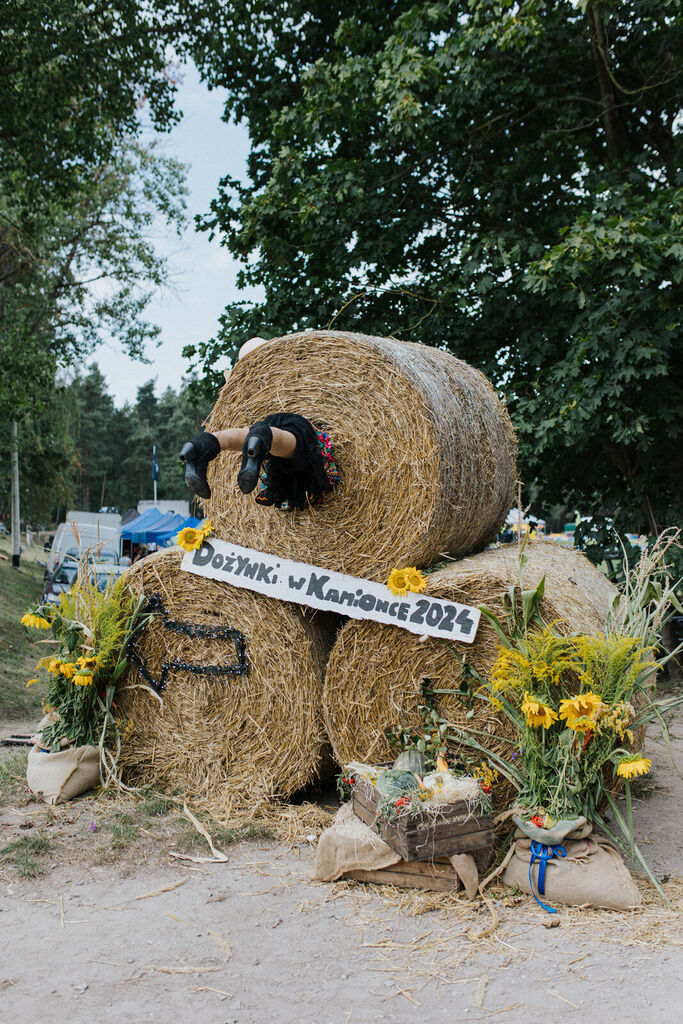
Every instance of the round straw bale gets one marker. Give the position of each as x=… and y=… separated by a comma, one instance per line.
x=425, y=449
x=224, y=739
x=374, y=675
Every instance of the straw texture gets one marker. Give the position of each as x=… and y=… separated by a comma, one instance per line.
x=373, y=679
x=425, y=449
x=227, y=740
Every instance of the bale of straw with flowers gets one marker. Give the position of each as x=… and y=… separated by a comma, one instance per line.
x=223, y=690
x=424, y=446
x=376, y=674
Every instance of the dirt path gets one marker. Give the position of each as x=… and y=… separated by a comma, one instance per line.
x=254, y=941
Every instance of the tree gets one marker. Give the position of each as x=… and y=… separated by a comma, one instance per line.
x=497, y=177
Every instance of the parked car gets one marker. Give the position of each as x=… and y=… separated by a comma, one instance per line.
x=104, y=574
x=62, y=580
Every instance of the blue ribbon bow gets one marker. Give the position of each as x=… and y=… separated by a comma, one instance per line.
x=542, y=853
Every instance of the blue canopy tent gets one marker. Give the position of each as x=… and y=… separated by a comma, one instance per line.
x=165, y=538
x=136, y=531
x=168, y=525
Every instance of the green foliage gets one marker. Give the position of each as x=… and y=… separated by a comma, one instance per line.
x=91, y=630
x=498, y=178
x=19, y=647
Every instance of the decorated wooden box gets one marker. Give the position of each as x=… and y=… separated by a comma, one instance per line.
x=456, y=829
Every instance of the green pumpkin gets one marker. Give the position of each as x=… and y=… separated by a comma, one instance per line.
x=396, y=783
x=411, y=760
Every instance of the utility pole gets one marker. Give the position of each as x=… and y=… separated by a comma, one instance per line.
x=16, y=521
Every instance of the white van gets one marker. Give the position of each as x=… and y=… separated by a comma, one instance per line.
x=98, y=535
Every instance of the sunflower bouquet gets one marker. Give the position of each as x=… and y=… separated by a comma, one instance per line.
x=89, y=634
x=579, y=704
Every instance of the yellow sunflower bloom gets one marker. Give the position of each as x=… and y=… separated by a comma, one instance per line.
x=90, y=661
x=83, y=679
x=55, y=666
x=35, y=621
x=584, y=705
x=190, y=539
x=636, y=764
x=581, y=724
x=537, y=713
x=415, y=580
x=397, y=583
x=68, y=669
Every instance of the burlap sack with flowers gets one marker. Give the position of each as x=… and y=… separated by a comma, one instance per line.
x=56, y=778
x=592, y=873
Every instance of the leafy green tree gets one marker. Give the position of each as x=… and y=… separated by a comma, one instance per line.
x=497, y=177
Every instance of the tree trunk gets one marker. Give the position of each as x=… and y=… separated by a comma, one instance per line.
x=607, y=95
x=16, y=510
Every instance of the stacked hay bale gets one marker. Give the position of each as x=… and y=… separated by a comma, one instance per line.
x=425, y=449
x=426, y=453
x=223, y=739
x=375, y=672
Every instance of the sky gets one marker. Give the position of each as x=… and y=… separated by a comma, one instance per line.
x=203, y=273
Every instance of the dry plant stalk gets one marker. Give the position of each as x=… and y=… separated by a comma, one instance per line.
x=374, y=675
x=425, y=449
x=224, y=741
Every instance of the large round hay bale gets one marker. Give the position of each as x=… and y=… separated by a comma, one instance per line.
x=373, y=679
x=425, y=449
x=224, y=739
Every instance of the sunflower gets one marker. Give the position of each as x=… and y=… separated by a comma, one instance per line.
x=36, y=621
x=55, y=666
x=634, y=764
x=191, y=538
x=582, y=724
x=83, y=678
x=68, y=669
x=584, y=705
x=537, y=713
x=415, y=580
x=90, y=661
x=397, y=582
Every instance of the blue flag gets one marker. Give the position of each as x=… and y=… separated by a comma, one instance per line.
x=155, y=464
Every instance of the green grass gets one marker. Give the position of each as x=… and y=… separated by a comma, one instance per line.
x=20, y=589
x=25, y=855
x=13, y=788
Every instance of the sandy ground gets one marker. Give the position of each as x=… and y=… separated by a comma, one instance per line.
x=255, y=941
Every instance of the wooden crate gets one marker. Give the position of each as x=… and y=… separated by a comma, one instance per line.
x=422, y=837
x=418, y=874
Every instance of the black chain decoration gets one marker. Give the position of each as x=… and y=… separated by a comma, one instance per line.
x=196, y=631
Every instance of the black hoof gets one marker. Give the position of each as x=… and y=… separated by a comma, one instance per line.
x=196, y=455
x=254, y=452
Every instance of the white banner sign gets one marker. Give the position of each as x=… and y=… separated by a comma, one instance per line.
x=331, y=591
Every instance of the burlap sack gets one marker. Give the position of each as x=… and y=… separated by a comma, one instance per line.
x=350, y=845
x=56, y=778
x=592, y=873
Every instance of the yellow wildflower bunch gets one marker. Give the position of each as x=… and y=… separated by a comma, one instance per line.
x=191, y=538
x=611, y=664
x=402, y=580
x=539, y=664
x=616, y=719
x=486, y=774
